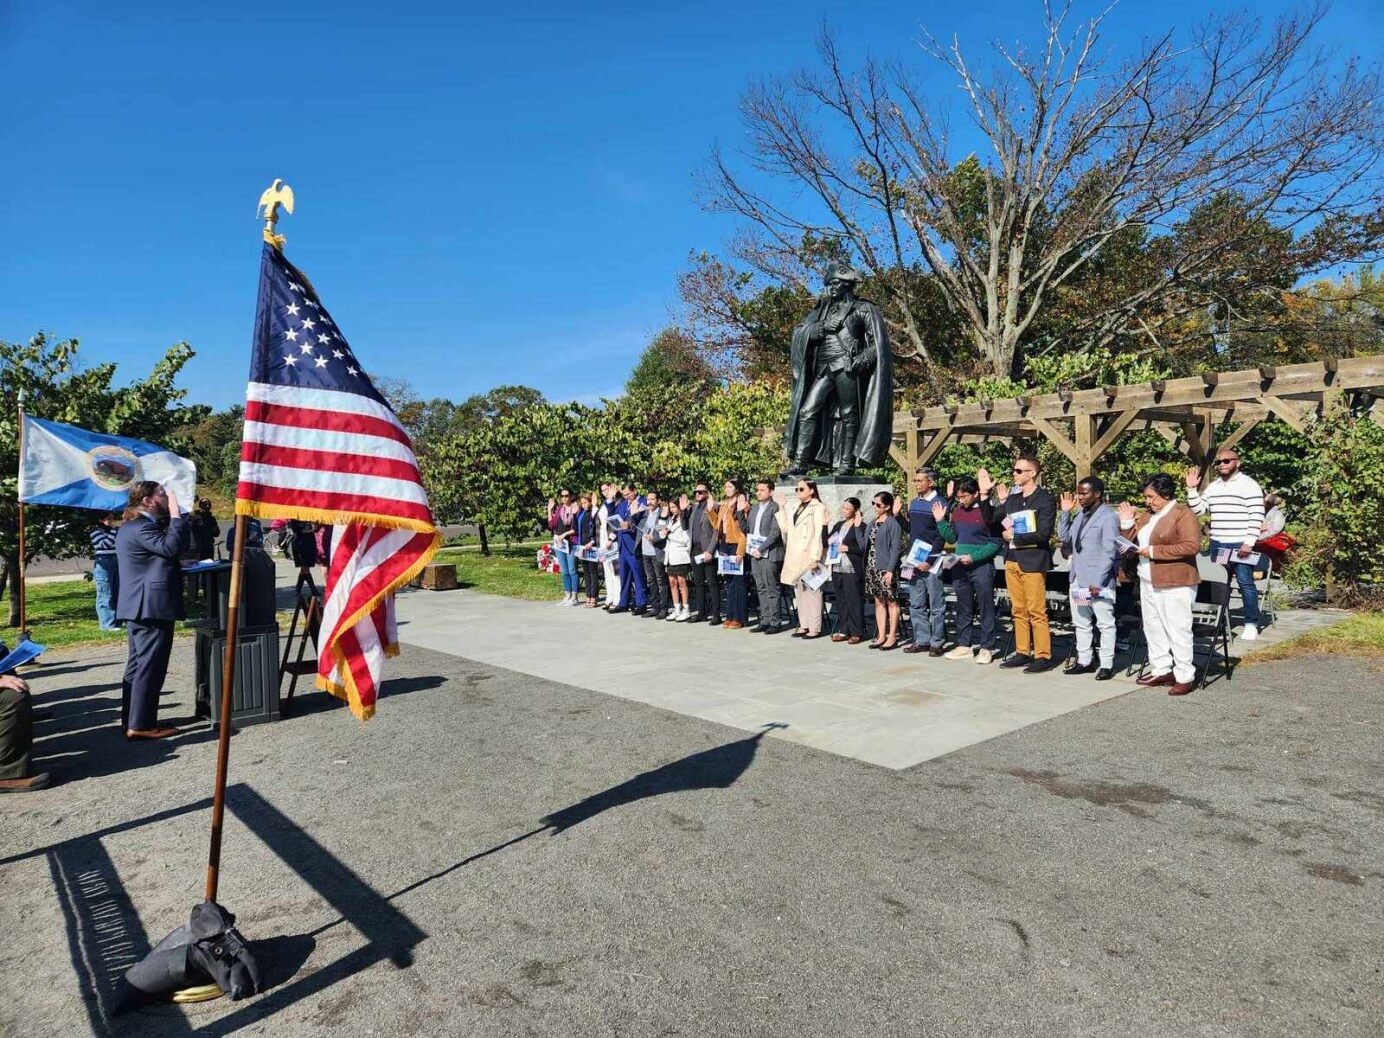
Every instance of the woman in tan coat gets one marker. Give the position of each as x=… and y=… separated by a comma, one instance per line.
x=1169, y=538
x=804, y=537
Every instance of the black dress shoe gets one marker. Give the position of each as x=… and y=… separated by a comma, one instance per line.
x=911, y=649
x=1080, y=668
x=697, y=618
x=619, y=609
x=1019, y=659
x=776, y=629
x=757, y=628
x=715, y=621
x=1105, y=674
x=937, y=650
x=1040, y=666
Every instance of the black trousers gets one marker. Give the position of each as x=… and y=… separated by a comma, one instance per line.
x=849, y=589
x=16, y=733
x=150, y=644
x=656, y=580
x=591, y=573
x=706, y=589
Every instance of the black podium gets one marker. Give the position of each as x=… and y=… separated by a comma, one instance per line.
x=255, y=697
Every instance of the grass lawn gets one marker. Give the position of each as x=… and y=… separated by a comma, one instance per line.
x=1358, y=635
x=508, y=571
x=63, y=614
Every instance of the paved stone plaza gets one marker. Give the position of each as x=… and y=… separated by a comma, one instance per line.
x=497, y=853
x=885, y=708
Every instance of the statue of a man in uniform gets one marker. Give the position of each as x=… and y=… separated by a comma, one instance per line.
x=842, y=411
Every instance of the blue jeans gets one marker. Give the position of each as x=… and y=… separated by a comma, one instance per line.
x=1243, y=573
x=927, y=609
x=567, y=563
x=107, y=578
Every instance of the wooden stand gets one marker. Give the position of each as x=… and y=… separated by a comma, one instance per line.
x=308, y=606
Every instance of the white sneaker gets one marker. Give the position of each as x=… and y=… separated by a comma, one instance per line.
x=674, y=614
x=984, y=656
x=961, y=652
x=685, y=615
x=1250, y=633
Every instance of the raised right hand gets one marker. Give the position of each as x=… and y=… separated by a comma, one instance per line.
x=1068, y=502
x=1193, y=478
x=1002, y=490
x=1126, y=512
x=984, y=480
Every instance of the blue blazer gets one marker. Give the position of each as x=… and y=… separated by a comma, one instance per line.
x=151, y=581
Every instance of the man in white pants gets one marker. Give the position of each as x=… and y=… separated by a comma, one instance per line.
x=607, y=543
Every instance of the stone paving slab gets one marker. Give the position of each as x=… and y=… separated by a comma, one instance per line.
x=887, y=709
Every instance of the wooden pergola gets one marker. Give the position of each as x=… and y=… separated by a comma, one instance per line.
x=1084, y=423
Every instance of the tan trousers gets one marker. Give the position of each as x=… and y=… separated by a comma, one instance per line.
x=809, y=608
x=1028, y=605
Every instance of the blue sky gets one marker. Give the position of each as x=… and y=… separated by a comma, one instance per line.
x=487, y=193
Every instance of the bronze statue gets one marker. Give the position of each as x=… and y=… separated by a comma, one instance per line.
x=842, y=409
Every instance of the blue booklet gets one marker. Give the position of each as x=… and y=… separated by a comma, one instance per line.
x=27, y=652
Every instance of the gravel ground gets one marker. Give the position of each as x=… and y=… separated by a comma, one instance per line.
x=1148, y=866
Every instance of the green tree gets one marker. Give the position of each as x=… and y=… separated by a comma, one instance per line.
x=57, y=387
x=670, y=359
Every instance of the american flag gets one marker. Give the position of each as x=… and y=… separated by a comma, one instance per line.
x=321, y=444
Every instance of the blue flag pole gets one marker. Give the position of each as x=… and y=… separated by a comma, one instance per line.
x=19, y=590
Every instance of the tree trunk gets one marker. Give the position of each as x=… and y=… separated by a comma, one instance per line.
x=485, y=541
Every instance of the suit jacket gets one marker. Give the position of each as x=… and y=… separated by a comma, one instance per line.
x=702, y=527
x=854, y=543
x=1173, y=546
x=773, y=547
x=151, y=581
x=888, y=535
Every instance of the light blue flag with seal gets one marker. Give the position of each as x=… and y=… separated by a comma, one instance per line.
x=66, y=465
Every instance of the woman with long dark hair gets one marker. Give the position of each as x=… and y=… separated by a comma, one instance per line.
x=677, y=560
x=848, y=575
x=730, y=544
x=882, y=571
x=584, y=536
x=804, y=527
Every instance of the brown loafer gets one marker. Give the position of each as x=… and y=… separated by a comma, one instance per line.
x=838, y=637
x=150, y=733
x=910, y=649
x=1180, y=689
x=26, y=784
x=854, y=639
x=1152, y=680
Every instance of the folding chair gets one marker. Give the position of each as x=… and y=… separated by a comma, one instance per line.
x=1057, y=597
x=1129, y=627
x=1211, y=623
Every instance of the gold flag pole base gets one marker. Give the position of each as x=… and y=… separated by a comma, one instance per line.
x=200, y=993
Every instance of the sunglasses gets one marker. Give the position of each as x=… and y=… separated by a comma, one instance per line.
x=1020, y=472
x=700, y=493
x=1226, y=461
x=879, y=504
x=802, y=490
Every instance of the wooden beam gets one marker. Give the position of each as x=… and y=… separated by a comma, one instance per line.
x=932, y=449
x=1239, y=434
x=1085, y=436
x=1284, y=410
x=1055, y=436
x=1246, y=386
x=900, y=458
x=1117, y=425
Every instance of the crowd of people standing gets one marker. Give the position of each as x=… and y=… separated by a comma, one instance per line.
x=693, y=559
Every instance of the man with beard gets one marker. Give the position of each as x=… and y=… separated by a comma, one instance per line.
x=147, y=547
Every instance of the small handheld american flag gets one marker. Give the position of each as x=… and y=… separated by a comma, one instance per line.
x=321, y=444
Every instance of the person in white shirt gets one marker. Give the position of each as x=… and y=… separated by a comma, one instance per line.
x=1235, y=503
x=677, y=557
x=607, y=521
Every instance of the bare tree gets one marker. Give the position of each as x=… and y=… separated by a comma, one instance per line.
x=1085, y=150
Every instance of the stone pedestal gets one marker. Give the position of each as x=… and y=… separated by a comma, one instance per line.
x=834, y=490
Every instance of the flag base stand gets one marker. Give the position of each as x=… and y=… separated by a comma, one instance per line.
x=202, y=993
x=201, y=960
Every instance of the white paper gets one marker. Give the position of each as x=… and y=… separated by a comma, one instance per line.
x=1125, y=544
x=918, y=553
x=815, y=580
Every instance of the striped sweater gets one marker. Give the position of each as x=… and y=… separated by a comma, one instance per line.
x=1236, y=506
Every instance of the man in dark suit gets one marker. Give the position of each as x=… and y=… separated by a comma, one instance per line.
x=706, y=588
x=147, y=547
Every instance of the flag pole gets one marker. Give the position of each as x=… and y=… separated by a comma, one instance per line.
x=23, y=569
x=279, y=194
x=223, y=735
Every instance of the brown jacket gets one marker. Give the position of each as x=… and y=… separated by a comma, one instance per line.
x=1173, y=547
x=727, y=523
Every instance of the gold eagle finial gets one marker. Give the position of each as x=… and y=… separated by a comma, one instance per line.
x=276, y=195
